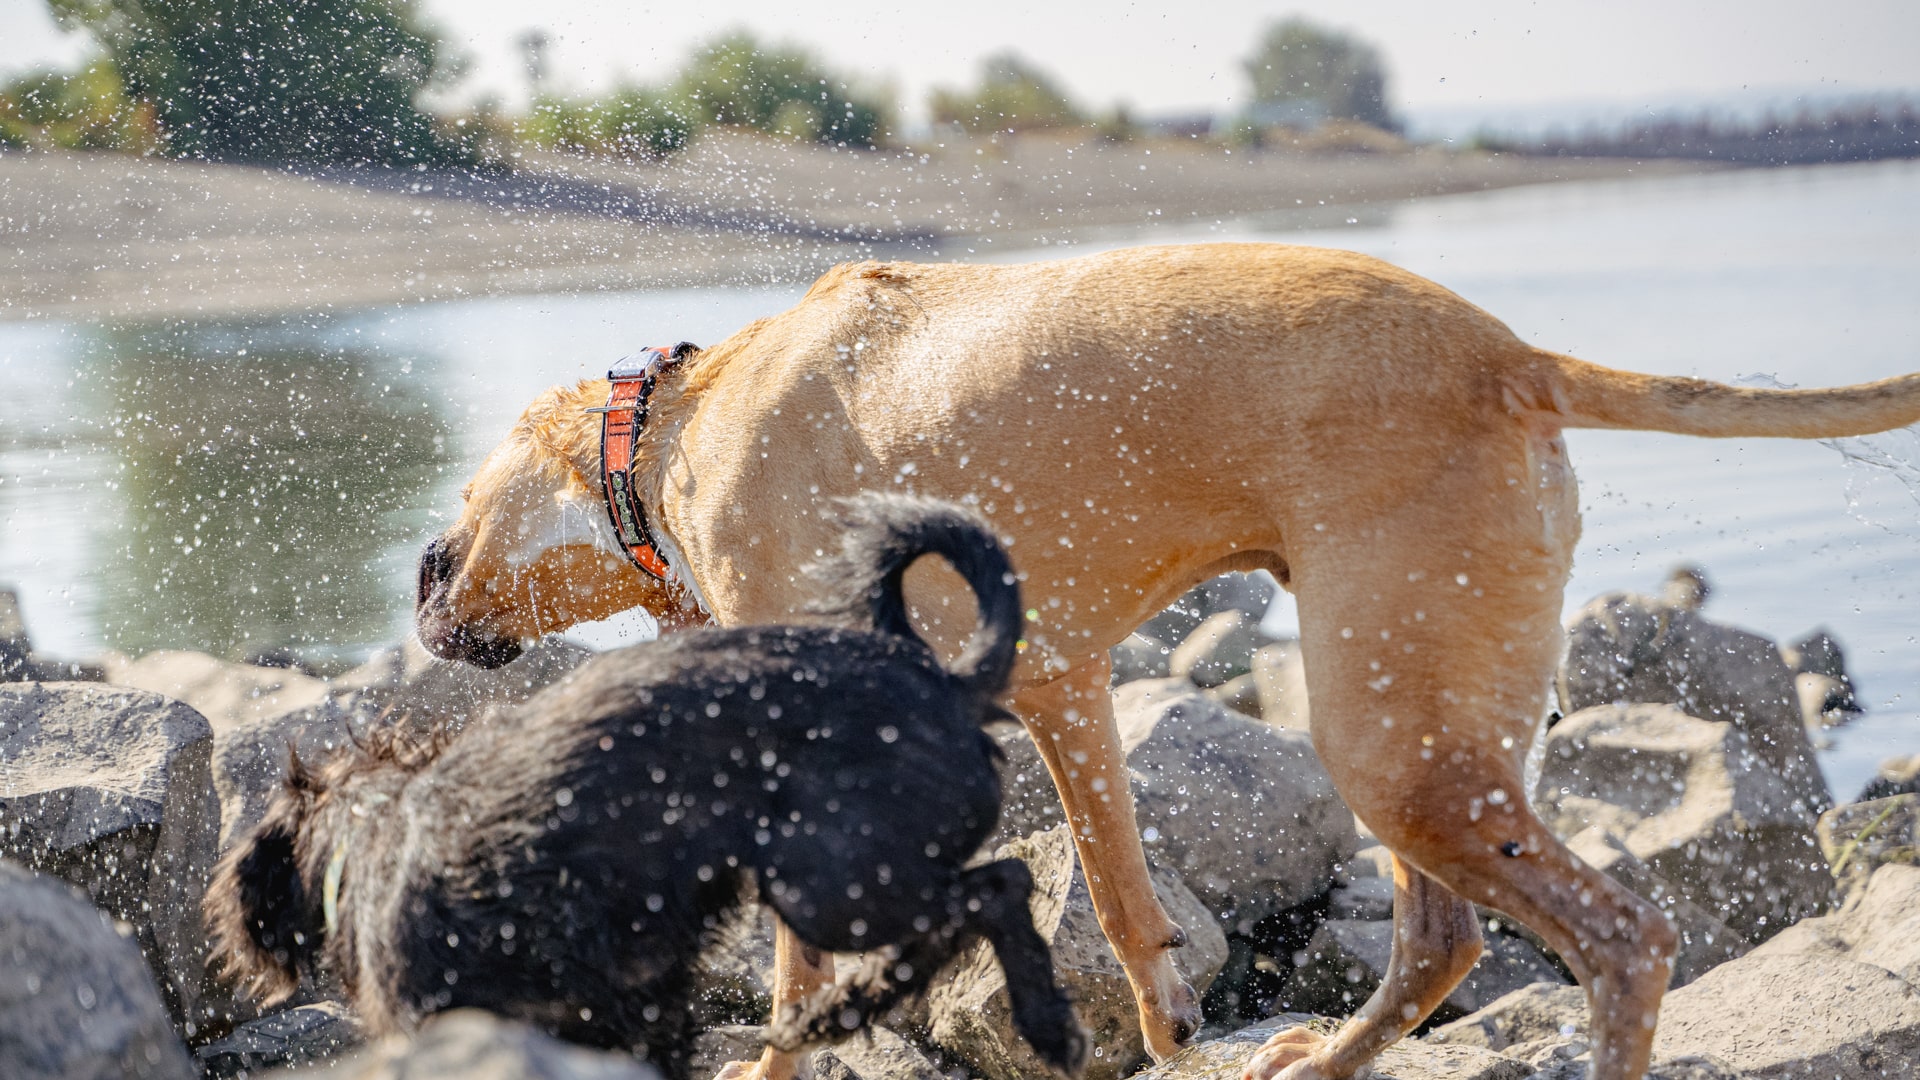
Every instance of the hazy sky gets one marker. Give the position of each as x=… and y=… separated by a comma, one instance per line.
x=1445, y=57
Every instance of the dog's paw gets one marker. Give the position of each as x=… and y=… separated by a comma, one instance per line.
x=1169, y=1019
x=1284, y=1050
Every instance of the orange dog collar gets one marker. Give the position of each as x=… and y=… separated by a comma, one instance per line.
x=621, y=420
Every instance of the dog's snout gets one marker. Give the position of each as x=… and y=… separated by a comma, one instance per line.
x=436, y=566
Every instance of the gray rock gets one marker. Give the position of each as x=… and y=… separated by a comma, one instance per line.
x=1897, y=776
x=1249, y=594
x=292, y=1037
x=874, y=1054
x=969, y=1015
x=1241, y=810
x=1139, y=657
x=250, y=758
x=1227, y=1057
x=718, y=1045
x=112, y=790
x=1772, y=1014
x=425, y=692
x=473, y=1045
x=1878, y=925
x=1705, y=941
x=16, y=652
x=1689, y=798
x=1627, y=648
x=1280, y=678
x=1346, y=958
x=1820, y=676
x=1535, y=1012
x=1367, y=899
x=1219, y=649
x=1240, y=693
x=1029, y=803
x=1858, y=838
x=77, y=1002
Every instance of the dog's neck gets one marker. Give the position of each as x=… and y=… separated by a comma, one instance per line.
x=674, y=398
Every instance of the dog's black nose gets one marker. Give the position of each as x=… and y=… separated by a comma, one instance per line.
x=436, y=566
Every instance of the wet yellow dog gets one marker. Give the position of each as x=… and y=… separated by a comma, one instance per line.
x=1133, y=423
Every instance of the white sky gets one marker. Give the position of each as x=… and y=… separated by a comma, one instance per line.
x=1453, y=57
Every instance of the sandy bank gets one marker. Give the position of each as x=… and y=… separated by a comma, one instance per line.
x=103, y=236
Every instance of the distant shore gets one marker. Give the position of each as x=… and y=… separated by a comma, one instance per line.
x=107, y=237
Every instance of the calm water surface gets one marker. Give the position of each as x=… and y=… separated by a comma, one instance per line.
x=236, y=487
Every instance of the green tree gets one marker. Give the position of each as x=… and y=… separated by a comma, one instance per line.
x=331, y=81
x=779, y=89
x=633, y=121
x=1013, y=95
x=1299, y=61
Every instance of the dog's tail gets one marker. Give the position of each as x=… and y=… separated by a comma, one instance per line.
x=885, y=534
x=1583, y=395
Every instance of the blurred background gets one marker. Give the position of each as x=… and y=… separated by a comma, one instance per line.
x=275, y=275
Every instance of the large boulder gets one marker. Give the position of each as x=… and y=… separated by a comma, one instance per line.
x=1691, y=799
x=1773, y=1014
x=1346, y=960
x=1627, y=648
x=1243, y=811
x=1225, y=1058
x=1878, y=925
x=112, y=789
x=970, y=1016
x=1858, y=838
x=76, y=1000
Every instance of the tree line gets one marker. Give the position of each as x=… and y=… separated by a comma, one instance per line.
x=342, y=82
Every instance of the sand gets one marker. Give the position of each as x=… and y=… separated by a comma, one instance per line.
x=106, y=237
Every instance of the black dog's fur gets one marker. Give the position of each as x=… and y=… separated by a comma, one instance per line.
x=565, y=863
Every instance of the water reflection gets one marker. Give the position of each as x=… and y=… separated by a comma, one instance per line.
x=263, y=491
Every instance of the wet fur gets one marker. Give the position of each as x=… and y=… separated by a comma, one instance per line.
x=565, y=863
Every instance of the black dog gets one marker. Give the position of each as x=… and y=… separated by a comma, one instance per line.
x=565, y=863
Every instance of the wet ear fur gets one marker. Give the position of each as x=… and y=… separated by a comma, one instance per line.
x=256, y=908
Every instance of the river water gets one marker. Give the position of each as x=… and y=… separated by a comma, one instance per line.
x=242, y=486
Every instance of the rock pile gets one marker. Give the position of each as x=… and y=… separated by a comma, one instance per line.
x=1683, y=768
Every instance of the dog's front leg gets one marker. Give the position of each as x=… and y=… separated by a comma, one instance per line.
x=799, y=972
x=1071, y=722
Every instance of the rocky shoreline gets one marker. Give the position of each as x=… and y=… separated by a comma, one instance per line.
x=1682, y=766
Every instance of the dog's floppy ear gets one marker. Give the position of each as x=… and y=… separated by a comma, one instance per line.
x=256, y=908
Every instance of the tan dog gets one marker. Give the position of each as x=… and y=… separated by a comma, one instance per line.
x=1133, y=423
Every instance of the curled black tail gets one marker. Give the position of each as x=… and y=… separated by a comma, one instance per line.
x=884, y=535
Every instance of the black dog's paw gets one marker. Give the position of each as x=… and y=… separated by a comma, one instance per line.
x=1065, y=1049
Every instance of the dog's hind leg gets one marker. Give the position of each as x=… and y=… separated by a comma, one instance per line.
x=1436, y=941
x=1071, y=722
x=1429, y=641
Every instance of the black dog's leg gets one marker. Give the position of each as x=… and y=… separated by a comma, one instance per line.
x=1042, y=1013
x=990, y=902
